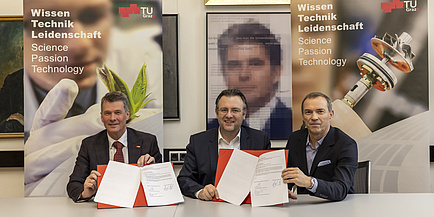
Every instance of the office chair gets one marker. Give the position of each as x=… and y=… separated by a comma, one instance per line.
x=362, y=178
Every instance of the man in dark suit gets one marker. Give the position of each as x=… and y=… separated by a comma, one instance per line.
x=133, y=147
x=322, y=159
x=197, y=176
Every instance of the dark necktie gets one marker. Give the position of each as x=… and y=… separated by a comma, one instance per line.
x=119, y=156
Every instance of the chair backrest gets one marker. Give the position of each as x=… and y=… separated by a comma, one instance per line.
x=362, y=178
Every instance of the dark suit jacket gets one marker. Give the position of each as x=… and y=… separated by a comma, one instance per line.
x=94, y=151
x=335, y=179
x=200, y=162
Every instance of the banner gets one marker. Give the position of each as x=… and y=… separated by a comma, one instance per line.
x=83, y=40
x=371, y=58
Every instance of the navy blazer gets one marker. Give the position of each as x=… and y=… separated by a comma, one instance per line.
x=94, y=151
x=334, y=165
x=200, y=162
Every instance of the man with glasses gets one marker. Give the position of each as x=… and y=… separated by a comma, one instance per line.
x=196, y=178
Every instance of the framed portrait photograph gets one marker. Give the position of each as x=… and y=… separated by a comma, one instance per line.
x=247, y=2
x=170, y=67
x=252, y=52
x=11, y=77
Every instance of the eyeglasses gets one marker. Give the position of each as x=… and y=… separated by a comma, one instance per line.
x=234, y=111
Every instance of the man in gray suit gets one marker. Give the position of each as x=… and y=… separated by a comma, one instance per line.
x=197, y=176
x=134, y=147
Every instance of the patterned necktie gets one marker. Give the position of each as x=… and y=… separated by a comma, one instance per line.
x=119, y=156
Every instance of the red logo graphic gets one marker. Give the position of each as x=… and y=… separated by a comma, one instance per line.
x=126, y=11
x=388, y=6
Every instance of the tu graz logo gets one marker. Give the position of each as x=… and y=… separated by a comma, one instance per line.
x=147, y=12
x=409, y=6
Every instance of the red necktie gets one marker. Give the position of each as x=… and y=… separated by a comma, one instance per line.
x=119, y=156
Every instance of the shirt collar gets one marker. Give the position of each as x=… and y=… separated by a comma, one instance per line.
x=123, y=139
x=319, y=141
x=220, y=137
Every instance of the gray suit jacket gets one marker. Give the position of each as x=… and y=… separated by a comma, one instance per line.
x=94, y=151
x=200, y=163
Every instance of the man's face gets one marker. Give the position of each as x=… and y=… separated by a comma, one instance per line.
x=87, y=17
x=248, y=69
x=230, y=114
x=317, y=117
x=114, y=117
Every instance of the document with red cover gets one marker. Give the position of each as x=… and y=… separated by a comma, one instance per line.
x=234, y=185
x=119, y=185
x=262, y=178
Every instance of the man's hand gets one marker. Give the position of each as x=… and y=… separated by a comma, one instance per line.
x=145, y=159
x=292, y=194
x=296, y=176
x=208, y=192
x=90, y=185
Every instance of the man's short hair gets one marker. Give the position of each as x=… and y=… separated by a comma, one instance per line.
x=314, y=95
x=250, y=33
x=114, y=97
x=231, y=93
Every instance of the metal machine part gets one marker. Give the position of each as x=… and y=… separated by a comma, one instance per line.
x=395, y=52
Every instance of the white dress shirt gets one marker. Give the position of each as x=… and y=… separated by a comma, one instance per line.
x=223, y=144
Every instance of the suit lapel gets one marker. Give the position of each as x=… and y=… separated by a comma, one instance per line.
x=301, y=151
x=323, y=149
x=102, y=149
x=245, y=140
x=134, y=147
x=213, y=149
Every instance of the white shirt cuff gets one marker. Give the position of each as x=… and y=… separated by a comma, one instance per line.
x=197, y=193
x=315, y=185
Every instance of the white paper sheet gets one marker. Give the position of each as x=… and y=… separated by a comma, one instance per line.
x=234, y=185
x=160, y=185
x=267, y=186
x=119, y=186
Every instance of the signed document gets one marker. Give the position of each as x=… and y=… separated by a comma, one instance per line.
x=261, y=176
x=120, y=184
x=267, y=186
x=161, y=187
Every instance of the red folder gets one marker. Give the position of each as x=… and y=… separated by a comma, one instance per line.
x=140, y=198
x=225, y=155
